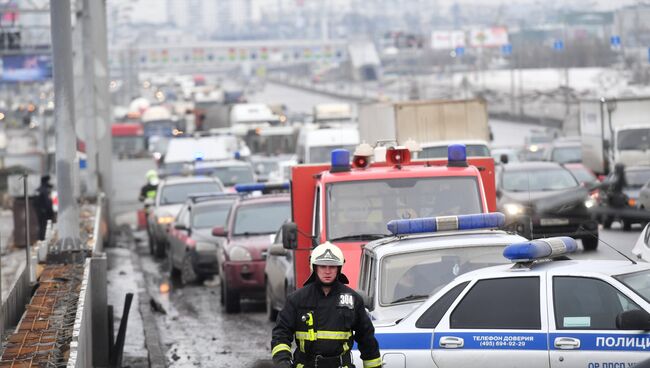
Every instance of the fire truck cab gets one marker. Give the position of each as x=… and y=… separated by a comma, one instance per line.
x=350, y=204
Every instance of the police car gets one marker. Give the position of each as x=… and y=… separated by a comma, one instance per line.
x=398, y=273
x=536, y=313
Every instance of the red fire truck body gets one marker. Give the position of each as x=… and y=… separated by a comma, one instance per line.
x=313, y=197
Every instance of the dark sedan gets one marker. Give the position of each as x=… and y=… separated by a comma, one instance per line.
x=551, y=197
x=192, y=248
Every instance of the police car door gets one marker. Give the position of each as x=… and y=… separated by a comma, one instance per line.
x=582, y=320
x=497, y=323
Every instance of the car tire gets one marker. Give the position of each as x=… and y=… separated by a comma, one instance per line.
x=188, y=275
x=627, y=225
x=590, y=243
x=231, y=299
x=271, y=313
x=173, y=271
x=607, y=222
x=160, y=249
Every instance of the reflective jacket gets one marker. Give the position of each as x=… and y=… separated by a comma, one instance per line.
x=325, y=325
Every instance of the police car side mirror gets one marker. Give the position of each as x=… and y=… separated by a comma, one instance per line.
x=633, y=320
x=290, y=236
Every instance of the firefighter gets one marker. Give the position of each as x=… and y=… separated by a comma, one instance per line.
x=149, y=190
x=325, y=317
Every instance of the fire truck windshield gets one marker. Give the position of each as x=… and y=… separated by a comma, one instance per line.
x=360, y=210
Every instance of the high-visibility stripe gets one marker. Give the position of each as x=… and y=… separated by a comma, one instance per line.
x=302, y=345
x=345, y=347
x=280, y=347
x=300, y=365
x=372, y=363
x=324, y=335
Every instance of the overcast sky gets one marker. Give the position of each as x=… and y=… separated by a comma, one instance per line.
x=154, y=10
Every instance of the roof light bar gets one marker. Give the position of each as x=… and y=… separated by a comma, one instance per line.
x=252, y=187
x=340, y=160
x=540, y=249
x=447, y=223
x=457, y=155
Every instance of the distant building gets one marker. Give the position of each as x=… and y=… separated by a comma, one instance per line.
x=632, y=23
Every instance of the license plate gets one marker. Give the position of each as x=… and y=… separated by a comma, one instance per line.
x=553, y=221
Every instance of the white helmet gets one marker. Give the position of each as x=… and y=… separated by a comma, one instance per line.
x=326, y=254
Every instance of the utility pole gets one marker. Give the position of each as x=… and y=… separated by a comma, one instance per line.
x=90, y=115
x=97, y=10
x=61, y=30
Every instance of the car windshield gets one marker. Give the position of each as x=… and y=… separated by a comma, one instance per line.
x=351, y=214
x=323, y=153
x=261, y=218
x=265, y=167
x=633, y=139
x=639, y=282
x=177, y=193
x=210, y=216
x=637, y=178
x=583, y=175
x=416, y=275
x=230, y=175
x=537, y=180
x=565, y=155
x=473, y=150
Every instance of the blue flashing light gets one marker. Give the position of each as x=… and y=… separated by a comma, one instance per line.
x=457, y=155
x=447, y=223
x=340, y=160
x=540, y=249
x=198, y=156
x=252, y=187
x=237, y=155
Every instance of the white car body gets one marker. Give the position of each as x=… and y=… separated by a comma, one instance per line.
x=441, y=256
x=571, y=328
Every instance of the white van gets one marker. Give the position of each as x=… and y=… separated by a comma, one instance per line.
x=315, y=144
x=244, y=117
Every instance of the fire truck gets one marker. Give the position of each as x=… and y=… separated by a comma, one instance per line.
x=349, y=204
x=128, y=140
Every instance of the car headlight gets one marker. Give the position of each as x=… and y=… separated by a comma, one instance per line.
x=164, y=220
x=239, y=254
x=590, y=202
x=513, y=209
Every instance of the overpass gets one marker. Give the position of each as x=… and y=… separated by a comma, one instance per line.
x=218, y=56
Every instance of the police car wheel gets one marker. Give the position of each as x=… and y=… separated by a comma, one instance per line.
x=231, y=299
x=271, y=313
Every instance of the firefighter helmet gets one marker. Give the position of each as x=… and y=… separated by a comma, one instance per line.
x=326, y=254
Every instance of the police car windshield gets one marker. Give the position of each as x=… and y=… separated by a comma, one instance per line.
x=177, y=193
x=538, y=180
x=210, y=216
x=365, y=207
x=639, y=282
x=416, y=275
x=261, y=219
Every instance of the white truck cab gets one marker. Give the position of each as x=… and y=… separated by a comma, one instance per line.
x=315, y=143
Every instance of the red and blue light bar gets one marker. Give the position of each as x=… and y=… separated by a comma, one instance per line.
x=540, y=249
x=447, y=223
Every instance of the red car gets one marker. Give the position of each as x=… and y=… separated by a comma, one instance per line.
x=241, y=252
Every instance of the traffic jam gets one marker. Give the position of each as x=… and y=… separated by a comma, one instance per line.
x=461, y=254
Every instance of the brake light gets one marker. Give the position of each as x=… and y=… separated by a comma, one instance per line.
x=190, y=242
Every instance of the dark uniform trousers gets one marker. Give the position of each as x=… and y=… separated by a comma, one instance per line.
x=325, y=328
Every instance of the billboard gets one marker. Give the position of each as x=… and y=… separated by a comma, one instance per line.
x=447, y=40
x=26, y=68
x=489, y=37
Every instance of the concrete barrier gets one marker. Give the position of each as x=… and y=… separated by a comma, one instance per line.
x=14, y=306
x=81, y=352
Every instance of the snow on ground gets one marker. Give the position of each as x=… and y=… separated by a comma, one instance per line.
x=122, y=278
